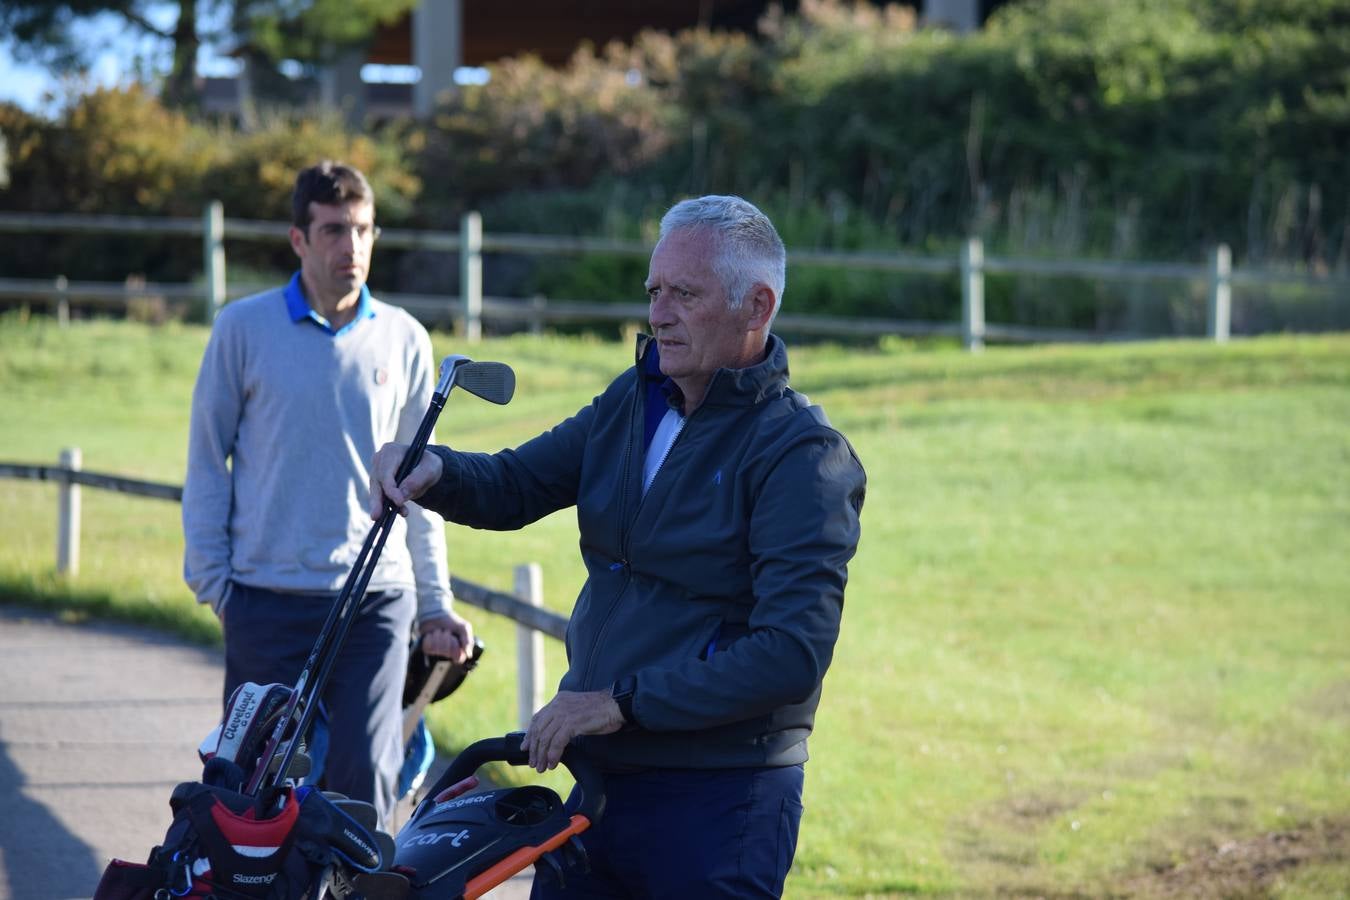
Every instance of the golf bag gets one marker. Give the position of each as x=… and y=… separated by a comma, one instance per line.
x=218, y=846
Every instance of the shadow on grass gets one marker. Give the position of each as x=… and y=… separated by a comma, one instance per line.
x=51, y=593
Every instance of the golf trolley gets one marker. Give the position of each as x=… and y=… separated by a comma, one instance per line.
x=462, y=844
x=251, y=829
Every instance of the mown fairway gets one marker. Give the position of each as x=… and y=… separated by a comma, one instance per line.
x=1097, y=638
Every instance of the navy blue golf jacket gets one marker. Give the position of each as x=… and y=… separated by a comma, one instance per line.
x=721, y=591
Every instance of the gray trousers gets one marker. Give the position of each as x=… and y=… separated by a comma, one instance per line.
x=268, y=637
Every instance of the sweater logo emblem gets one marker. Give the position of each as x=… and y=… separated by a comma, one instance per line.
x=717, y=479
x=381, y=375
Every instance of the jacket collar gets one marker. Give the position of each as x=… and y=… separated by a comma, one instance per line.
x=729, y=387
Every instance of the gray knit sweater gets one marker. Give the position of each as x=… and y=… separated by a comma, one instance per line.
x=299, y=412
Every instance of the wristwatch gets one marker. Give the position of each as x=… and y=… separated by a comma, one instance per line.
x=622, y=692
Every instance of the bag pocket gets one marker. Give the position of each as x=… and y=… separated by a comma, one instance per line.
x=128, y=881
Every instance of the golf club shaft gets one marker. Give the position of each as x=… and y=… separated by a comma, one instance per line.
x=309, y=686
x=419, y=442
x=310, y=683
x=328, y=658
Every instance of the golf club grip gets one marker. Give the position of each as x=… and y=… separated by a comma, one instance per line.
x=419, y=442
x=507, y=749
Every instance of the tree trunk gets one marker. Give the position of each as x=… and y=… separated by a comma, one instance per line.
x=180, y=88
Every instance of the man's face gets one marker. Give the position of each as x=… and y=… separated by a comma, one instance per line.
x=335, y=250
x=696, y=332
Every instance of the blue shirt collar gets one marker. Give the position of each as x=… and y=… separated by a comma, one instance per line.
x=300, y=309
x=660, y=391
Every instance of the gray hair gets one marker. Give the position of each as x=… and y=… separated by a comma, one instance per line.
x=749, y=250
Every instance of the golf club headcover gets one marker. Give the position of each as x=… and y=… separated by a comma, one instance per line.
x=419, y=754
x=324, y=827
x=250, y=717
x=382, y=885
x=223, y=773
x=360, y=810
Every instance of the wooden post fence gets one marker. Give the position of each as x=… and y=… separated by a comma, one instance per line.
x=471, y=274
x=467, y=310
x=972, y=294
x=213, y=257
x=525, y=606
x=529, y=587
x=1220, y=294
x=68, y=517
x=62, y=301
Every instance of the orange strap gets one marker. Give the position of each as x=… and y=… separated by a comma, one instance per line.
x=500, y=871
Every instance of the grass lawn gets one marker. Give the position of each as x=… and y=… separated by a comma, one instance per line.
x=1097, y=636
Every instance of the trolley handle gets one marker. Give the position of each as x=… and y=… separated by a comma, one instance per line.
x=587, y=798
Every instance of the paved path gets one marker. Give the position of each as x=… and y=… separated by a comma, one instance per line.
x=98, y=723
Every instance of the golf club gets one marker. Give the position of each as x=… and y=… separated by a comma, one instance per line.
x=491, y=381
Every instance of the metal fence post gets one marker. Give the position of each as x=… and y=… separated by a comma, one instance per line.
x=972, y=294
x=213, y=257
x=471, y=274
x=68, y=517
x=1220, y=310
x=529, y=586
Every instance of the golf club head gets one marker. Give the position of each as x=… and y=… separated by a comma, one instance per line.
x=492, y=381
x=449, y=368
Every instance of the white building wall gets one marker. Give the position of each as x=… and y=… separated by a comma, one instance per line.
x=438, y=50
x=958, y=15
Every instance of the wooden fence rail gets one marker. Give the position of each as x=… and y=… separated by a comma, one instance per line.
x=524, y=607
x=470, y=308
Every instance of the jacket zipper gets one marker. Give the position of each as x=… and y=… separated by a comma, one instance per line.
x=624, y=535
x=679, y=429
x=622, y=562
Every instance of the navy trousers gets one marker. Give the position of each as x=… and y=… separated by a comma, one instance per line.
x=268, y=637
x=682, y=833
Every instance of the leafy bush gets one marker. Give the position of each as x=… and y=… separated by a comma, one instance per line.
x=112, y=151
x=120, y=151
x=533, y=127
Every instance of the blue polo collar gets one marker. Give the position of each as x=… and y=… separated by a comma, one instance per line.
x=300, y=309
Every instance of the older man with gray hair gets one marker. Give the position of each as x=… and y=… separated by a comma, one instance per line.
x=718, y=511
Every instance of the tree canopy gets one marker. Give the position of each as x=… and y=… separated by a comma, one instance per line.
x=262, y=32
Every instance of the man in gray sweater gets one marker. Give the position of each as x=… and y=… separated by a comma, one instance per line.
x=298, y=388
